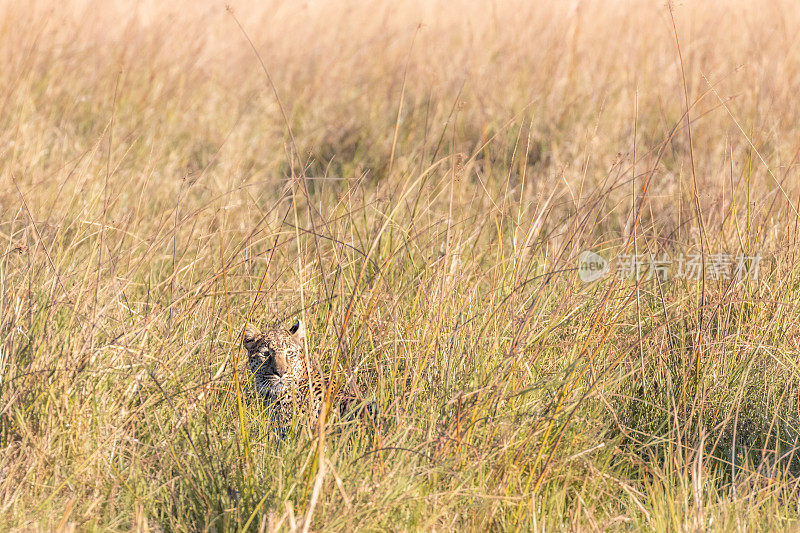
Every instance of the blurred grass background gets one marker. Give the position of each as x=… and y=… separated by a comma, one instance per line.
x=416, y=180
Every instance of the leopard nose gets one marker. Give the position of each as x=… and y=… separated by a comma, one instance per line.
x=280, y=372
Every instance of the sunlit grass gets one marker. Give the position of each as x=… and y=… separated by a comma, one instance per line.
x=416, y=181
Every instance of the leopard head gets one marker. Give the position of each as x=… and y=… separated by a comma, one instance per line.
x=275, y=358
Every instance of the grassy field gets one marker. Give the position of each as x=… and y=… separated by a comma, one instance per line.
x=416, y=180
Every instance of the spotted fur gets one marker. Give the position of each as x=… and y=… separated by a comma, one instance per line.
x=282, y=377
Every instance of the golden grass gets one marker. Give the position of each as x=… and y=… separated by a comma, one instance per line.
x=416, y=180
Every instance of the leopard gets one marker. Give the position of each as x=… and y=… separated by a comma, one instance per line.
x=286, y=382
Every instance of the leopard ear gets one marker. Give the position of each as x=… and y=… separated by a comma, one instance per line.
x=298, y=331
x=251, y=334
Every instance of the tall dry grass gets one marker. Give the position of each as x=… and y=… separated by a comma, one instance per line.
x=416, y=180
